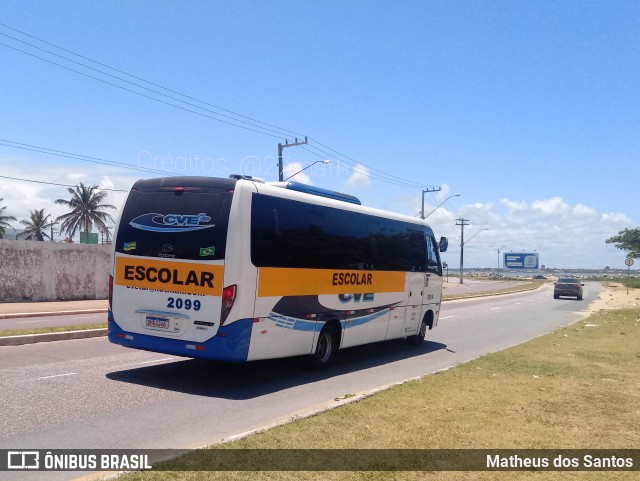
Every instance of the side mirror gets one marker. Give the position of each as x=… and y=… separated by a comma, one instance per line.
x=444, y=244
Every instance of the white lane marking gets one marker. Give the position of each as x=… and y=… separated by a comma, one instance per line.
x=88, y=316
x=26, y=322
x=495, y=308
x=51, y=377
x=146, y=362
x=448, y=317
x=517, y=304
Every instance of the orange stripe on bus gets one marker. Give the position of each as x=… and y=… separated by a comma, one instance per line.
x=171, y=276
x=274, y=281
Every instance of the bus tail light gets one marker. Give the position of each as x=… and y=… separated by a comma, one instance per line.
x=228, y=298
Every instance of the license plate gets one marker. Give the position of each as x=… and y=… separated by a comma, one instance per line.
x=157, y=322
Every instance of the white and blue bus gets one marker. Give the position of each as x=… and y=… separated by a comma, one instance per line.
x=238, y=269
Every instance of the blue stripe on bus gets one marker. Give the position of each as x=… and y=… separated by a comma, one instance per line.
x=358, y=321
x=232, y=347
x=296, y=324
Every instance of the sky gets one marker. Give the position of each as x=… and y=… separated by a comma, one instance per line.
x=529, y=109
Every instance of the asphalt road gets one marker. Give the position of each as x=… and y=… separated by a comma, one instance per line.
x=90, y=394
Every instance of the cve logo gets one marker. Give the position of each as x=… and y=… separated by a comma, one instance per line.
x=344, y=298
x=171, y=222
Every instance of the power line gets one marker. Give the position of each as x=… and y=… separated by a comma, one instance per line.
x=365, y=170
x=84, y=158
x=131, y=83
x=139, y=78
x=391, y=176
x=54, y=183
x=381, y=176
x=135, y=92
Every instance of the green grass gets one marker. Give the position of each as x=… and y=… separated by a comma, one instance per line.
x=525, y=286
x=49, y=330
x=630, y=282
x=578, y=387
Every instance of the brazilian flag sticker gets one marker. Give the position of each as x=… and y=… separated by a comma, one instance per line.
x=207, y=251
x=129, y=246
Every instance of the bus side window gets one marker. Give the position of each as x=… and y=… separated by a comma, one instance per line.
x=433, y=257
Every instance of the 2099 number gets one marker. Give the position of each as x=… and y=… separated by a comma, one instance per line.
x=179, y=303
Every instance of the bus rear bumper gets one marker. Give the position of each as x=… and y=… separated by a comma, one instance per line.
x=231, y=343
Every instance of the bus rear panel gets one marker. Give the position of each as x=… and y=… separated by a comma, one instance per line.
x=168, y=293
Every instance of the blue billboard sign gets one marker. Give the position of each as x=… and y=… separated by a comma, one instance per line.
x=521, y=260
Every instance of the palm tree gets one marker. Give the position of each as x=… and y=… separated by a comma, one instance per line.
x=86, y=209
x=35, y=226
x=4, y=220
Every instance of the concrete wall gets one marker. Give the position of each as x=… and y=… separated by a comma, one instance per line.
x=52, y=271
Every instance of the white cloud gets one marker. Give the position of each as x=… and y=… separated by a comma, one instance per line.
x=554, y=206
x=513, y=205
x=564, y=235
x=359, y=176
x=106, y=183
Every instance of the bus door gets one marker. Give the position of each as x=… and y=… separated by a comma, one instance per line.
x=413, y=314
x=432, y=294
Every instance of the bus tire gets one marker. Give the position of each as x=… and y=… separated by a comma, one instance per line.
x=326, y=347
x=418, y=339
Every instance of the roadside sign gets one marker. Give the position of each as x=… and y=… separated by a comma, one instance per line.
x=88, y=238
x=628, y=261
x=517, y=260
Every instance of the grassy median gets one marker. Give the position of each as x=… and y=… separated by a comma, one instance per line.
x=578, y=387
x=49, y=330
x=524, y=286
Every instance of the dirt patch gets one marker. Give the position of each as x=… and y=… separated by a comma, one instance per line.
x=615, y=296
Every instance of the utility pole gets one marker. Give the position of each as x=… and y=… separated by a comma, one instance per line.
x=461, y=222
x=281, y=147
x=430, y=189
x=498, y=249
x=52, y=231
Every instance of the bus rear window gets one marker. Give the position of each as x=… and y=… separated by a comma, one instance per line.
x=170, y=218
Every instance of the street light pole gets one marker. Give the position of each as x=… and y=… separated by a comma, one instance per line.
x=326, y=161
x=423, y=216
x=476, y=234
x=434, y=189
x=281, y=147
x=462, y=242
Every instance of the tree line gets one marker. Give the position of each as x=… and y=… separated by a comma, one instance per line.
x=86, y=210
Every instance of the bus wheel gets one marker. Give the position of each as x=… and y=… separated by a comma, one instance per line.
x=418, y=338
x=326, y=348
